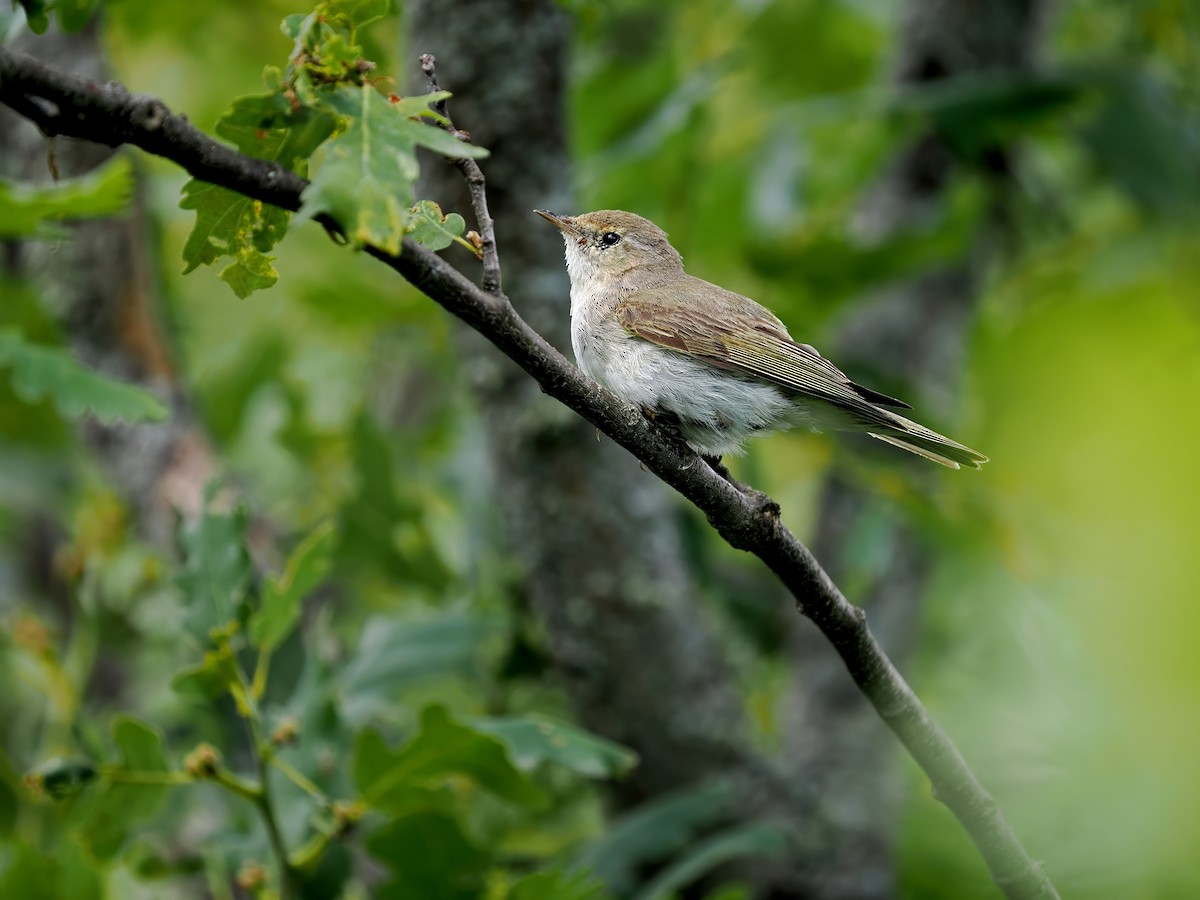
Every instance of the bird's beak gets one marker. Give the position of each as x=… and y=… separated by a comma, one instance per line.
x=562, y=223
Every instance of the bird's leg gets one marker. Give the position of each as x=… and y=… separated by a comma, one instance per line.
x=714, y=463
x=671, y=424
x=668, y=423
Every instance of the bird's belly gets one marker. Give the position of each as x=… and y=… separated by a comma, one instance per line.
x=718, y=410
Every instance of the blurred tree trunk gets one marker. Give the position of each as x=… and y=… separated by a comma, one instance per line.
x=101, y=286
x=916, y=330
x=604, y=571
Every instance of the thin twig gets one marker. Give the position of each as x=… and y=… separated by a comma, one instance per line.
x=750, y=522
x=476, y=184
x=247, y=706
x=266, y=807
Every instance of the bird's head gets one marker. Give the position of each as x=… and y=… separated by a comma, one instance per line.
x=609, y=243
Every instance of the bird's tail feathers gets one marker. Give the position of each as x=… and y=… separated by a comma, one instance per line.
x=908, y=435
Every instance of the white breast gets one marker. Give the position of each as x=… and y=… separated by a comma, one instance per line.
x=718, y=409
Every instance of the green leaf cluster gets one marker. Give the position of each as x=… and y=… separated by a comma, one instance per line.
x=431, y=793
x=228, y=224
x=325, y=106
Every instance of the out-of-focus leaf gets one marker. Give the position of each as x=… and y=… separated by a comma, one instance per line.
x=216, y=571
x=366, y=181
x=39, y=372
x=979, y=111
x=755, y=840
x=443, y=747
x=354, y=13
x=1147, y=143
x=329, y=876
x=383, y=510
x=60, y=778
x=652, y=832
x=10, y=796
x=35, y=15
x=730, y=892
x=141, y=750
x=834, y=265
x=149, y=861
x=104, y=817
x=62, y=874
x=430, y=858
x=74, y=14
x=536, y=739
x=282, y=596
x=27, y=211
x=559, y=884
x=433, y=229
x=394, y=654
x=210, y=679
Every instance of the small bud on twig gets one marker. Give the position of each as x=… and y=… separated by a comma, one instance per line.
x=286, y=732
x=203, y=761
x=251, y=876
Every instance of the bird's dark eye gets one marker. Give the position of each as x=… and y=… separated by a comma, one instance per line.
x=610, y=238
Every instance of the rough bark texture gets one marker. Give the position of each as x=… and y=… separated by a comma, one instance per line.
x=917, y=331
x=604, y=572
x=102, y=289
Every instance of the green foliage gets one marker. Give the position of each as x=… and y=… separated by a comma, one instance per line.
x=441, y=748
x=265, y=126
x=415, y=804
x=433, y=229
x=366, y=180
x=653, y=832
x=1146, y=142
x=980, y=112
x=306, y=568
x=212, y=678
x=72, y=14
x=216, y=573
x=359, y=624
x=395, y=654
x=63, y=875
x=429, y=857
x=34, y=212
x=368, y=168
x=141, y=750
x=39, y=372
x=61, y=778
x=534, y=740
x=745, y=841
x=558, y=884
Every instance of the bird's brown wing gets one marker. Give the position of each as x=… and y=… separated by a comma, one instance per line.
x=735, y=333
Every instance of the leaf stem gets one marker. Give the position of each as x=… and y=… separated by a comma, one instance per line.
x=301, y=780
x=310, y=852
x=126, y=776
x=247, y=705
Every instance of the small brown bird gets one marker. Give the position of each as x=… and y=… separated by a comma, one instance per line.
x=720, y=363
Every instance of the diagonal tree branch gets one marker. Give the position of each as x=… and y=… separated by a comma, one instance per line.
x=63, y=104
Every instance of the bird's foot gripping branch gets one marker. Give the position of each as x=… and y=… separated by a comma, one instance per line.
x=327, y=117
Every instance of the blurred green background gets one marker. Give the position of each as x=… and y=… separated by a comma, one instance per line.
x=1056, y=640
